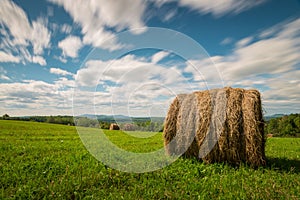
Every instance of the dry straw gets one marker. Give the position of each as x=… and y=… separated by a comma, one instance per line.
x=114, y=127
x=220, y=125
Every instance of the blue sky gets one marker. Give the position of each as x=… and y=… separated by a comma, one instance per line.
x=133, y=56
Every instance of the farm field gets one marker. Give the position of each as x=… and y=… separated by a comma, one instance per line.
x=40, y=160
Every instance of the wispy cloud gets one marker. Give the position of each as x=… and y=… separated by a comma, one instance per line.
x=3, y=74
x=39, y=60
x=169, y=15
x=244, y=42
x=66, y=28
x=220, y=7
x=70, y=46
x=270, y=61
x=134, y=83
x=217, y=8
x=40, y=36
x=19, y=34
x=95, y=17
x=226, y=41
x=59, y=71
x=36, y=98
x=159, y=56
x=276, y=54
x=6, y=57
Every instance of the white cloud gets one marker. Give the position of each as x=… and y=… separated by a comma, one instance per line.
x=40, y=36
x=205, y=72
x=126, y=69
x=243, y=42
x=169, y=15
x=3, y=74
x=272, y=55
x=159, y=3
x=89, y=75
x=112, y=70
x=283, y=95
x=62, y=59
x=39, y=60
x=130, y=83
x=264, y=57
x=15, y=19
x=217, y=7
x=220, y=7
x=5, y=57
x=94, y=16
x=159, y=56
x=66, y=28
x=70, y=46
x=268, y=61
x=36, y=98
x=4, y=77
x=226, y=41
x=63, y=82
x=19, y=33
x=59, y=71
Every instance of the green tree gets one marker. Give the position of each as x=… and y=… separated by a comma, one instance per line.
x=273, y=126
x=5, y=116
x=51, y=119
x=297, y=122
x=288, y=130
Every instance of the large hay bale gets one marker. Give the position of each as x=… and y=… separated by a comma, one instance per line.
x=114, y=127
x=220, y=125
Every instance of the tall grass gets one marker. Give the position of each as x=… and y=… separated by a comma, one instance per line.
x=49, y=161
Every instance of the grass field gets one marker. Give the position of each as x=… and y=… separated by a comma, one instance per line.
x=49, y=161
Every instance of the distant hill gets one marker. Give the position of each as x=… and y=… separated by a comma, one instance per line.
x=106, y=117
x=267, y=118
x=122, y=118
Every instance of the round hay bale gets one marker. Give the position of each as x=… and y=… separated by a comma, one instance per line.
x=114, y=127
x=254, y=128
x=129, y=127
x=220, y=125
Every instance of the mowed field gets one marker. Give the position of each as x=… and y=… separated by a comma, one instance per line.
x=46, y=161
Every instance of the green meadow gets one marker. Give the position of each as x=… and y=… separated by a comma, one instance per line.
x=48, y=161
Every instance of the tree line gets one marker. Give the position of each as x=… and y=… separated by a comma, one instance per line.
x=138, y=125
x=65, y=120
x=288, y=125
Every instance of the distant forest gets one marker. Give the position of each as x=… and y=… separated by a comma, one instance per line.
x=139, y=124
x=281, y=126
x=287, y=125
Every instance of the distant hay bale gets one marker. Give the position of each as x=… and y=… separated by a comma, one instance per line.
x=128, y=127
x=114, y=127
x=220, y=125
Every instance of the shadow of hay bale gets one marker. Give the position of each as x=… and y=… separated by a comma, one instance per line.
x=283, y=164
x=220, y=125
